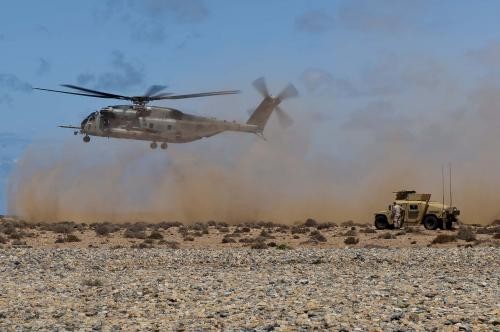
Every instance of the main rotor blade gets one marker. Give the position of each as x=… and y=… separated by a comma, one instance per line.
x=261, y=86
x=288, y=92
x=74, y=93
x=196, y=95
x=154, y=89
x=109, y=95
x=284, y=119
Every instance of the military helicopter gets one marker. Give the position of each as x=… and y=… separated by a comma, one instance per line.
x=168, y=125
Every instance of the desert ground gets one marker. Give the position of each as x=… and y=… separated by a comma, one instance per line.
x=255, y=276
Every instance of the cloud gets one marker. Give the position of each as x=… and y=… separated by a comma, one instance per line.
x=488, y=55
x=320, y=81
x=43, y=67
x=148, y=20
x=13, y=83
x=314, y=22
x=125, y=75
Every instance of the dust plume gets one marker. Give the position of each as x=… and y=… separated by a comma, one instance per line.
x=393, y=129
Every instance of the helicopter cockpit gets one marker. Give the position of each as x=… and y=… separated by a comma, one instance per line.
x=90, y=118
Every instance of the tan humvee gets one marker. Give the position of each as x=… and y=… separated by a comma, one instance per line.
x=418, y=209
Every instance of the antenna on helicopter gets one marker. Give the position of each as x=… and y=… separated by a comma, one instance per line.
x=442, y=181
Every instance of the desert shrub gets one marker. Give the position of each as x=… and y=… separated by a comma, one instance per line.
x=93, y=282
x=317, y=236
x=183, y=230
x=351, y=240
x=351, y=232
x=72, y=238
x=211, y=223
x=296, y=236
x=133, y=233
x=169, y=244
x=368, y=231
x=488, y=230
x=63, y=227
x=283, y=247
x=495, y=222
x=168, y=224
x=466, y=233
x=188, y=238
x=444, y=238
x=310, y=223
x=197, y=234
x=299, y=230
x=266, y=234
x=386, y=236
x=266, y=224
x=222, y=224
x=3, y=240
x=259, y=245
x=245, y=229
x=155, y=235
x=18, y=243
x=227, y=239
x=326, y=225
x=105, y=228
x=142, y=245
x=15, y=235
x=347, y=223
x=271, y=244
x=247, y=240
x=223, y=230
x=495, y=236
x=199, y=227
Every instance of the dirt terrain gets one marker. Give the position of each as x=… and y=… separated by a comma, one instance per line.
x=253, y=277
x=219, y=235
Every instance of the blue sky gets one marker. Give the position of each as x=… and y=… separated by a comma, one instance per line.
x=358, y=64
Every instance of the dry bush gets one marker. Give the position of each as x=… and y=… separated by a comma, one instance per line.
x=134, y=233
x=188, y=238
x=495, y=222
x=168, y=224
x=347, y=223
x=488, y=230
x=259, y=245
x=18, y=243
x=351, y=240
x=317, y=236
x=368, y=231
x=326, y=225
x=72, y=238
x=228, y=239
x=211, y=223
x=266, y=234
x=63, y=227
x=155, y=235
x=466, y=233
x=92, y=282
x=351, y=232
x=296, y=236
x=223, y=230
x=105, y=228
x=311, y=223
x=495, y=236
x=59, y=239
x=386, y=236
x=299, y=230
x=3, y=240
x=222, y=224
x=199, y=227
x=271, y=244
x=283, y=247
x=444, y=238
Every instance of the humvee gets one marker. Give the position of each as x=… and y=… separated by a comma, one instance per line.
x=418, y=209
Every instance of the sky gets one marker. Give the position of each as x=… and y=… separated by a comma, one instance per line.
x=424, y=74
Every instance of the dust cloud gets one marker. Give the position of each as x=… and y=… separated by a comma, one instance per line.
x=340, y=161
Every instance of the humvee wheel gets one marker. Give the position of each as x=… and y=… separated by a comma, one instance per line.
x=449, y=225
x=381, y=222
x=431, y=222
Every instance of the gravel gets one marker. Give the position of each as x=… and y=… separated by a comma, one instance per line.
x=245, y=290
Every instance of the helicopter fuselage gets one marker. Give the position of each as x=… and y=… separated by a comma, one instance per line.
x=157, y=124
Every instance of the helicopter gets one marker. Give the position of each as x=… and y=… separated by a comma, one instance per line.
x=163, y=125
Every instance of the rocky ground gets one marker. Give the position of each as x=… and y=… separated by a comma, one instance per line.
x=352, y=289
x=256, y=276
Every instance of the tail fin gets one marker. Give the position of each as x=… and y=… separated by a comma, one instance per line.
x=262, y=113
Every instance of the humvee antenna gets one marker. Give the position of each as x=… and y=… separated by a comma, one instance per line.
x=442, y=180
x=451, y=195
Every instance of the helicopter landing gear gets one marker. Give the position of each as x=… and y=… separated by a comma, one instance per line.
x=153, y=145
x=86, y=139
x=163, y=146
